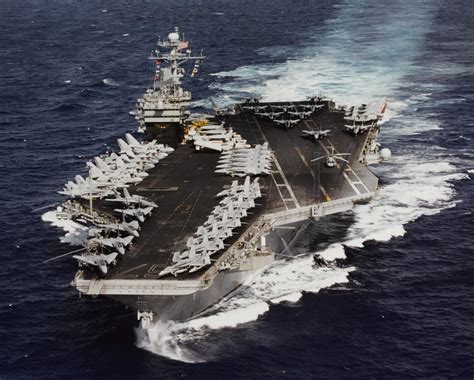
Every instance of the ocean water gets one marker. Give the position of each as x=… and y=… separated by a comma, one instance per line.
x=396, y=298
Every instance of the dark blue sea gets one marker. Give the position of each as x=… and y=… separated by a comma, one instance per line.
x=396, y=299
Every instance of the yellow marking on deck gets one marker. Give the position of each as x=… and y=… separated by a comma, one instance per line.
x=304, y=161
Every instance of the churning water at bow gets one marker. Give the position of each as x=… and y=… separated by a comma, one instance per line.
x=396, y=297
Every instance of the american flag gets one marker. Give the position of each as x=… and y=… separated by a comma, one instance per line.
x=183, y=45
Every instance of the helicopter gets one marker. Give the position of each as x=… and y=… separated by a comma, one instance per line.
x=332, y=158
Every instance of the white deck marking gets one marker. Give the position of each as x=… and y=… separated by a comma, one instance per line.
x=311, y=171
x=349, y=181
x=282, y=175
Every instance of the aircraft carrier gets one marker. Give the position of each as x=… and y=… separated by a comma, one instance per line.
x=176, y=222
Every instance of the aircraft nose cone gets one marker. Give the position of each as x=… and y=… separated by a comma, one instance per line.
x=103, y=268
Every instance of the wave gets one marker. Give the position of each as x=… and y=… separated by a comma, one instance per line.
x=201, y=103
x=76, y=234
x=68, y=107
x=282, y=282
x=343, y=60
x=90, y=93
x=109, y=82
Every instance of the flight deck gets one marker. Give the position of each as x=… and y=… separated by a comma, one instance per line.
x=184, y=185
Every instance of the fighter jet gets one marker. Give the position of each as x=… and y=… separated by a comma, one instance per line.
x=244, y=162
x=133, y=142
x=222, y=232
x=129, y=199
x=199, y=262
x=283, y=108
x=83, y=187
x=137, y=213
x=117, y=243
x=117, y=169
x=100, y=261
x=332, y=158
x=149, y=148
x=143, y=161
x=301, y=114
x=270, y=115
x=130, y=228
x=243, y=171
x=219, y=111
x=288, y=123
x=317, y=135
x=254, y=108
x=357, y=128
x=204, y=244
x=74, y=190
x=235, y=187
x=218, y=135
x=116, y=178
x=224, y=220
x=187, y=260
x=312, y=107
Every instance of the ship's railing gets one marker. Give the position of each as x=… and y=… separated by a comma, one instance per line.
x=316, y=211
x=97, y=286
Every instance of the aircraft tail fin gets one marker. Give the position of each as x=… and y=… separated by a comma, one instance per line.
x=147, y=210
x=110, y=257
x=101, y=163
x=134, y=225
x=95, y=172
x=127, y=240
x=80, y=179
x=126, y=193
x=132, y=141
x=124, y=147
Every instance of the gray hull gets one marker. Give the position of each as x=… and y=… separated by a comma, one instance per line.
x=181, y=308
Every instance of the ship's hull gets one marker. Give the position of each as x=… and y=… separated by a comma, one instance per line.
x=181, y=308
x=185, y=307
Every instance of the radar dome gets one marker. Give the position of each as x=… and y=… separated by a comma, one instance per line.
x=173, y=36
x=385, y=153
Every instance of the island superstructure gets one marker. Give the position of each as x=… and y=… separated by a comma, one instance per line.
x=175, y=223
x=162, y=110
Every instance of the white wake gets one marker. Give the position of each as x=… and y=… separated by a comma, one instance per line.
x=75, y=233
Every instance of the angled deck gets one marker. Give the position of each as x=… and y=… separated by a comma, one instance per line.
x=184, y=185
